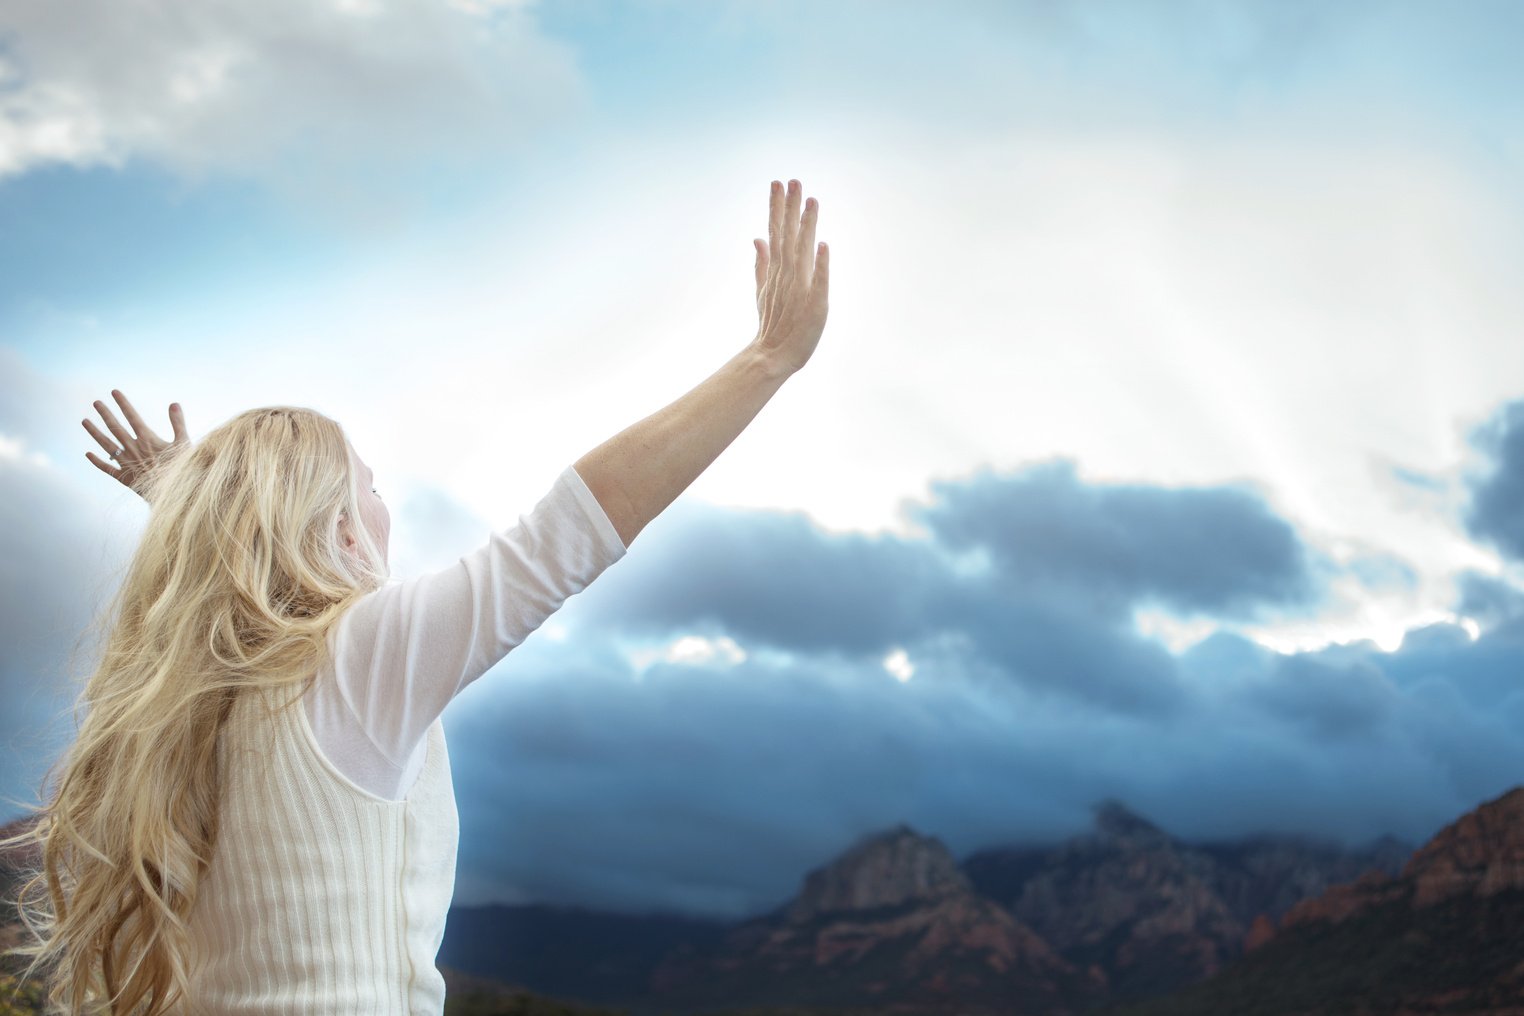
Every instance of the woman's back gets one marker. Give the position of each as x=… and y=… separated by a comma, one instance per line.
x=327, y=894
x=322, y=897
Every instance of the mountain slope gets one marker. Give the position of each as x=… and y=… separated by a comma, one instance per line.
x=1446, y=935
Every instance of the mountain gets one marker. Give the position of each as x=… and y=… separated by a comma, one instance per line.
x=1445, y=935
x=1127, y=910
x=893, y=923
x=1153, y=912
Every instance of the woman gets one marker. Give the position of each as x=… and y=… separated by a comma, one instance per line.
x=257, y=815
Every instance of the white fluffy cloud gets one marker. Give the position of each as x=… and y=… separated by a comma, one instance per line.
x=285, y=88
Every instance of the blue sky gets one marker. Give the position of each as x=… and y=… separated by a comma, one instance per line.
x=1162, y=443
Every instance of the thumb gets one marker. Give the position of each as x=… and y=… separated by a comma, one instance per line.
x=761, y=268
x=177, y=421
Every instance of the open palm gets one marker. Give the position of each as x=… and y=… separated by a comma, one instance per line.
x=136, y=452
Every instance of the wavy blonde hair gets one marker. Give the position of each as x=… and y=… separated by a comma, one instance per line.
x=240, y=573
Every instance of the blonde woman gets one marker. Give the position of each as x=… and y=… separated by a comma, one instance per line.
x=257, y=814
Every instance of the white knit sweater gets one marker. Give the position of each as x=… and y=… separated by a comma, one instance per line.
x=324, y=897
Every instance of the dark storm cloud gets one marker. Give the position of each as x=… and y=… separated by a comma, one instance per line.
x=1033, y=697
x=56, y=569
x=1331, y=699
x=1058, y=566
x=1496, y=512
x=776, y=577
x=1483, y=673
x=1210, y=550
x=1086, y=550
x=1048, y=645
x=714, y=789
x=692, y=787
x=1487, y=600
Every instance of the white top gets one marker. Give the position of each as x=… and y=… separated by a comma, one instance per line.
x=402, y=653
x=324, y=897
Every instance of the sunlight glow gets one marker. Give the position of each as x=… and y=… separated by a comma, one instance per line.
x=1177, y=634
x=692, y=649
x=898, y=663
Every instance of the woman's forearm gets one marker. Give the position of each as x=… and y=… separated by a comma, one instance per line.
x=638, y=472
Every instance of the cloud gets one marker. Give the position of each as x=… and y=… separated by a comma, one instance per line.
x=1487, y=600
x=1035, y=572
x=1035, y=535
x=286, y=89
x=56, y=570
x=776, y=577
x=1211, y=550
x=713, y=788
x=1496, y=512
x=1331, y=700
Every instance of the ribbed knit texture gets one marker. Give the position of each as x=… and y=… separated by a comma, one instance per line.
x=325, y=898
x=308, y=875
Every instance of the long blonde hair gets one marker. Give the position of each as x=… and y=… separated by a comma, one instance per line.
x=240, y=573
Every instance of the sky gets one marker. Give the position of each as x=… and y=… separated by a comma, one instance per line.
x=1165, y=441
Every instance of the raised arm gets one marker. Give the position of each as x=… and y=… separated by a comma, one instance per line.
x=641, y=470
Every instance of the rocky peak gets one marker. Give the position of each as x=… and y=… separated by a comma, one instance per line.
x=888, y=869
x=1479, y=854
x=1115, y=822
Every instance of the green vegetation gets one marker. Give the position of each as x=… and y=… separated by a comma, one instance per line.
x=25, y=1001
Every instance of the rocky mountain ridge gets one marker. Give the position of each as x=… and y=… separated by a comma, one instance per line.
x=896, y=922
x=1444, y=935
x=1124, y=911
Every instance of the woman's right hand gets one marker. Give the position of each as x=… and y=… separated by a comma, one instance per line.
x=793, y=277
x=138, y=451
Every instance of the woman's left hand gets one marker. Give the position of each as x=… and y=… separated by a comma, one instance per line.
x=134, y=453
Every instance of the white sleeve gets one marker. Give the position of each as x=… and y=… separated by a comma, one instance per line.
x=402, y=652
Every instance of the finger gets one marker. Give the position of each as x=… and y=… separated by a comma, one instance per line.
x=138, y=426
x=177, y=421
x=105, y=442
x=807, y=238
x=115, y=474
x=775, y=228
x=791, y=226
x=112, y=424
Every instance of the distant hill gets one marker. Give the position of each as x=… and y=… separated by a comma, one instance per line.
x=894, y=922
x=1444, y=936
